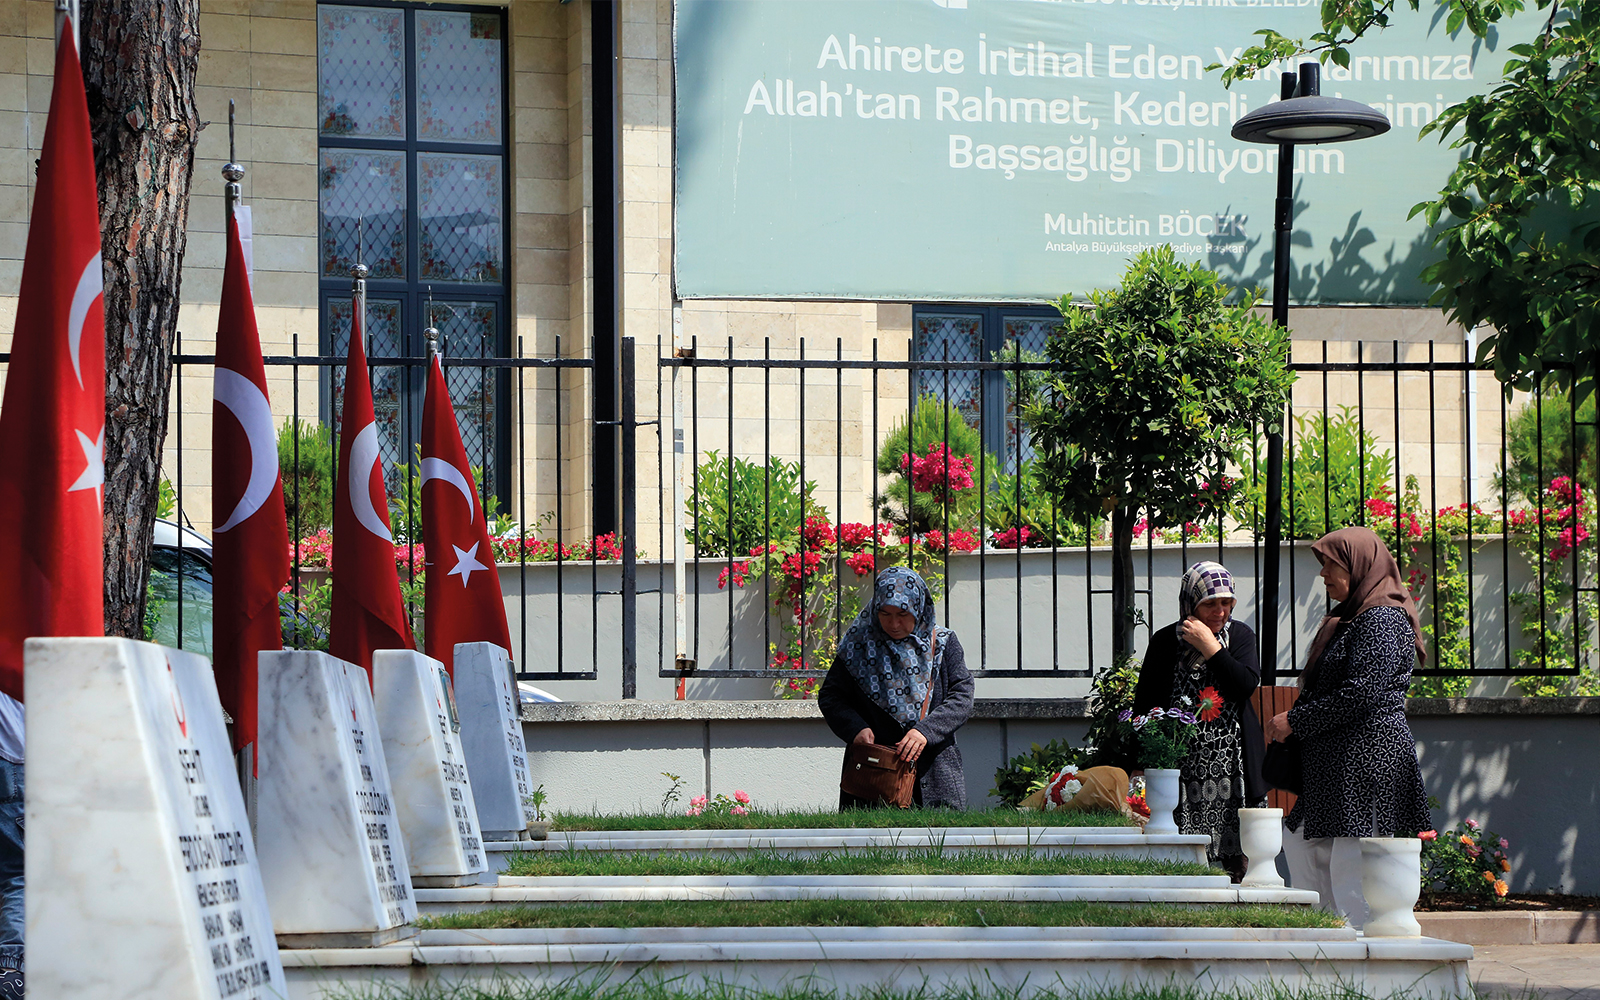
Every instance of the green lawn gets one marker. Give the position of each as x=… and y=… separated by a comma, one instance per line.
x=883, y=913
x=859, y=819
x=876, y=861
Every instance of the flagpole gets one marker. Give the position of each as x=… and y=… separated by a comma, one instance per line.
x=358, y=285
x=65, y=10
x=232, y=174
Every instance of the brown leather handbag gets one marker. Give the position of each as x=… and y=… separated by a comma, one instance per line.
x=876, y=773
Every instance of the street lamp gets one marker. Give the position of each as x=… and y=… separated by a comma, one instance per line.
x=1302, y=116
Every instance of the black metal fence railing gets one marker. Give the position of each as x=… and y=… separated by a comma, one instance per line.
x=1493, y=527
x=780, y=481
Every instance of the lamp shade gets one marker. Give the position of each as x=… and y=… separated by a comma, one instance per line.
x=1311, y=119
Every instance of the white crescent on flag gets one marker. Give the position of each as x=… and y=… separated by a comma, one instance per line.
x=91, y=284
x=364, y=456
x=245, y=400
x=438, y=468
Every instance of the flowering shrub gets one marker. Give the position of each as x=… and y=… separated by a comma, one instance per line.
x=739, y=805
x=315, y=551
x=955, y=541
x=1011, y=538
x=939, y=472
x=1468, y=860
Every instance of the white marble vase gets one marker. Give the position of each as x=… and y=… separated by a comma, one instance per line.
x=1161, y=796
x=1391, y=881
x=1261, y=838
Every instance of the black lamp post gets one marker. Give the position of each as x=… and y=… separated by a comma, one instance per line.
x=1302, y=116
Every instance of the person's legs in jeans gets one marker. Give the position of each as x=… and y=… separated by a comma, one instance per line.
x=11, y=867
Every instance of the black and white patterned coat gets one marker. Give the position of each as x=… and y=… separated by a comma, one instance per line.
x=1359, y=760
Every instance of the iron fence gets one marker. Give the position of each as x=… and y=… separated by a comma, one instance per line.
x=1508, y=583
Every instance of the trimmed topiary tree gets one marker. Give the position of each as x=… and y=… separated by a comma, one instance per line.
x=1157, y=386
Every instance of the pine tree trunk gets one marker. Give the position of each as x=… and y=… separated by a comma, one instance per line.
x=1122, y=595
x=139, y=62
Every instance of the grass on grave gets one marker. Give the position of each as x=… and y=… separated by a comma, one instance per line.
x=855, y=819
x=872, y=861
x=883, y=913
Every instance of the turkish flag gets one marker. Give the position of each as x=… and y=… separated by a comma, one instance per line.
x=462, y=588
x=250, y=548
x=52, y=423
x=368, y=612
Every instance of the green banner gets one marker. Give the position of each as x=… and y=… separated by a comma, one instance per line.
x=1024, y=149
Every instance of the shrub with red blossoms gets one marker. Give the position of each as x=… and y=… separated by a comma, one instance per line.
x=958, y=540
x=1012, y=538
x=855, y=536
x=862, y=563
x=938, y=472
x=739, y=570
x=817, y=534
x=801, y=565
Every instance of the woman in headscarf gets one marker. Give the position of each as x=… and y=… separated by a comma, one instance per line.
x=1358, y=759
x=1205, y=650
x=892, y=660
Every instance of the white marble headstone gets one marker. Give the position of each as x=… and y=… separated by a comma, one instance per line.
x=422, y=745
x=141, y=875
x=491, y=736
x=332, y=855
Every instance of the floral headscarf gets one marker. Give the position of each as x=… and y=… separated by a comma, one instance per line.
x=894, y=673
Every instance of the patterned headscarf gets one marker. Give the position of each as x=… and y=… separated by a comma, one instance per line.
x=894, y=673
x=1203, y=581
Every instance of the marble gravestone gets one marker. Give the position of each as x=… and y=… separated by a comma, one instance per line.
x=422, y=747
x=332, y=855
x=491, y=736
x=141, y=876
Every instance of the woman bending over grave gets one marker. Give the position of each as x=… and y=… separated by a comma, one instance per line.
x=899, y=680
x=1358, y=761
x=1205, y=650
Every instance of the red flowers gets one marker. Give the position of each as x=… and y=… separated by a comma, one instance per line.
x=862, y=563
x=817, y=533
x=854, y=536
x=1210, y=704
x=1012, y=538
x=938, y=472
x=739, y=571
x=954, y=541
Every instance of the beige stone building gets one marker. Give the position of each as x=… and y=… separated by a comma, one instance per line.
x=459, y=139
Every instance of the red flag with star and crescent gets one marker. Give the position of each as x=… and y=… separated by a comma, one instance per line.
x=52, y=423
x=250, y=545
x=462, y=601
x=368, y=611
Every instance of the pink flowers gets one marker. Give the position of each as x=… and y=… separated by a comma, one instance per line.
x=701, y=805
x=742, y=798
x=697, y=805
x=938, y=472
x=1428, y=835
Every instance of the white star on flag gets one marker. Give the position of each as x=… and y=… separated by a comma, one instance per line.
x=94, y=454
x=466, y=563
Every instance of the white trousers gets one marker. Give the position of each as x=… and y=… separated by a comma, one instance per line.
x=1332, y=867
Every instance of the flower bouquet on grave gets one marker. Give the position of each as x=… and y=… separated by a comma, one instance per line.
x=1061, y=788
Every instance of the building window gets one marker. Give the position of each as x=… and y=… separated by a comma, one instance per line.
x=412, y=155
x=977, y=333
